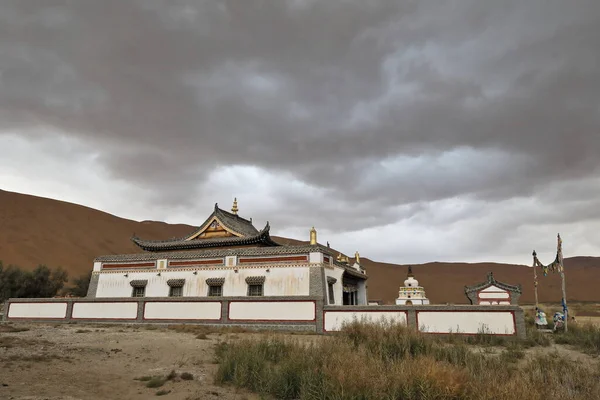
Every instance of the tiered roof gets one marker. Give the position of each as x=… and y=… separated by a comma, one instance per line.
x=233, y=230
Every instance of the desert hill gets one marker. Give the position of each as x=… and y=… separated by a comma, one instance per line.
x=36, y=230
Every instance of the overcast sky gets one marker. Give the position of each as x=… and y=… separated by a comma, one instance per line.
x=411, y=131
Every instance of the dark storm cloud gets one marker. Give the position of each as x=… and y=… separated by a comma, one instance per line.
x=381, y=102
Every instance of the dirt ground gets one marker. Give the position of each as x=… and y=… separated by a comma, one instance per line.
x=69, y=362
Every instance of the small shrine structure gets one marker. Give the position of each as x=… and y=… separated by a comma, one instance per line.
x=411, y=293
x=493, y=292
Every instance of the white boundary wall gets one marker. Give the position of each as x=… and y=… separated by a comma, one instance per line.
x=333, y=320
x=108, y=310
x=38, y=310
x=182, y=310
x=469, y=322
x=272, y=310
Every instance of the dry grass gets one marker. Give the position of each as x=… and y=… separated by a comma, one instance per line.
x=392, y=362
x=583, y=336
x=6, y=328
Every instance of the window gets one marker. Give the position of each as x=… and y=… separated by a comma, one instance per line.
x=331, y=298
x=139, y=291
x=176, y=291
x=215, y=290
x=255, y=290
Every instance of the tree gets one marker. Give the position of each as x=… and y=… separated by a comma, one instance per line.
x=12, y=279
x=41, y=282
x=80, y=285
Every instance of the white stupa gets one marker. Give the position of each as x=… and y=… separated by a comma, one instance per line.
x=411, y=293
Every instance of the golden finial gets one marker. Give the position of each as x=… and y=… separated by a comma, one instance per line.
x=357, y=256
x=234, y=209
x=313, y=236
x=339, y=257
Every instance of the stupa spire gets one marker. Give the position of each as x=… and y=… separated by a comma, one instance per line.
x=234, y=208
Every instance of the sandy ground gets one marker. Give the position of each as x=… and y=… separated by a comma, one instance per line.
x=69, y=362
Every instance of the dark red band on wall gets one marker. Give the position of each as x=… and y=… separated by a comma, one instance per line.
x=273, y=259
x=196, y=262
x=138, y=265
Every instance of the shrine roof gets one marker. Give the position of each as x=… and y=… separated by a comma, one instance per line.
x=491, y=281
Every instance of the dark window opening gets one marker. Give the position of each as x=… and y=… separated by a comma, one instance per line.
x=215, y=291
x=331, y=294
x=255, y=290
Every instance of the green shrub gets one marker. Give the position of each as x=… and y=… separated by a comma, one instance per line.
x=155, y=382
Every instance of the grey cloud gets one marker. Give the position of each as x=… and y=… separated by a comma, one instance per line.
x=167, y=91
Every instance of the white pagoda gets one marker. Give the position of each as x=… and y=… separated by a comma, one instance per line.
x=411, y=293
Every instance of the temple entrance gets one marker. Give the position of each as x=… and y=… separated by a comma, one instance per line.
x=349, y=290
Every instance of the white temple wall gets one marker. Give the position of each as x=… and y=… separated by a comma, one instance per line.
x=469, y=322
x=107, y=310
x=334, y=320
x=272, y=310
x=337, y=274
x=279, y=281
x=37, y=310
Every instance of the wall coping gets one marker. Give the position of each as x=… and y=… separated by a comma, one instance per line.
x=428, y=307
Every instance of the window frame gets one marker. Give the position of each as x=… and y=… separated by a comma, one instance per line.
x=136, y=289
x=172, y=290
x=214, y=287
x=251, y=293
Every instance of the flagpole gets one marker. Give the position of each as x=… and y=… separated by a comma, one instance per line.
x=562, y=277
x=535, y=281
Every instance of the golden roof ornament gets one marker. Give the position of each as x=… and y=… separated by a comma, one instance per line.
x=234, y=209
x=313, y=236
x=357, y=256
x=339, y=257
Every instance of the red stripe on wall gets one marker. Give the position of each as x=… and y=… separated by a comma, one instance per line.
x=272, y=259
x=196, y=262
x=139, y=265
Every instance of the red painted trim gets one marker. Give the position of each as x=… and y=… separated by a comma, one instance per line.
x=177, y=319
x=272, y=320
x=352, y=311
x=35, y=318
x=326, y=259
x=134, y=265
x=468, y=311
x=196, y=262
x=107, y=301
x=272, y=259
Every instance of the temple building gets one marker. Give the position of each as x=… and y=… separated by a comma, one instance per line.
x=411, y=293
x=493, y=292
x=227, y=256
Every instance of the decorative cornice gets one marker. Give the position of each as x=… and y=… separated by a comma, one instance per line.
x=255, y=280
x=139, y=282
x=176, y=282
x=215, y=281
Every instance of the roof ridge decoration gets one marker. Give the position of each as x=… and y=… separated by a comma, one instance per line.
x=491, y=281
x=220, y=229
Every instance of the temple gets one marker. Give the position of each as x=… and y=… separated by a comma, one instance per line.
x=228, y=256
x=411, y=293
x=493, y=292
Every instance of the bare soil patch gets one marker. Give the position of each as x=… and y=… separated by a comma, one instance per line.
x=95, y=362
